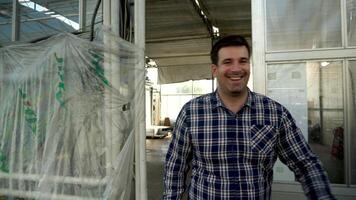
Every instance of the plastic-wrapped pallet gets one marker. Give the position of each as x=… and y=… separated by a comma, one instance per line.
x=68, y=108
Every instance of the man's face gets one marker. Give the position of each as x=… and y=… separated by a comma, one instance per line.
x=233, y=70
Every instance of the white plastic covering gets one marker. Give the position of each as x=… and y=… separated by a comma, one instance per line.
x=67, y=109
x=178, y=74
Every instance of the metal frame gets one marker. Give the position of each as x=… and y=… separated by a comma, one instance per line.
x=140, y=126
x=15, y=33
x=258, y=46
x=82, y=14
x=111, y=20
x=262, y=57
x=348, y=125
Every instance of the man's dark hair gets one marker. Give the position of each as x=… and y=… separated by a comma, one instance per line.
x=228, y=41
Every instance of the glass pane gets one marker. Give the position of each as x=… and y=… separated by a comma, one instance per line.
x=177, y=88
x=313, y=93
x=152, y=75
x=303, y=24
x=5, y=34
x=171, y=105
x=175, y=95
x=352, y=117
x=44, y=18
x=286, y=83
x=326, y=116
x=5, y=21
x=202, y=87
x=351, y=22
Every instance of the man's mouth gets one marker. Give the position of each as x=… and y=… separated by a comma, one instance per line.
x=235, y=77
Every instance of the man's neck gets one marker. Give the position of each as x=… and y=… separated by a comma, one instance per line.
x=234, y=102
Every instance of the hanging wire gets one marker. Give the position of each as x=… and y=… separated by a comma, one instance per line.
x=93, y=20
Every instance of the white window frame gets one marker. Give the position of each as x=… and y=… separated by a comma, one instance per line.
x=261, y=57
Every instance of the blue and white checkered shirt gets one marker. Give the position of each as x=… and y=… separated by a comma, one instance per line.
x=232, y=155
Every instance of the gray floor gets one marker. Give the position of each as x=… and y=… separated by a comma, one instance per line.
x=156, y=150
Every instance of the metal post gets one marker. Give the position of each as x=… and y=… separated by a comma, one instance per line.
x=140, y=136
x=114, y=71
x=15, y=35
x=258, y=46
x=115, y=17
x=82, y=14
x=347, y=104
x=107, y=67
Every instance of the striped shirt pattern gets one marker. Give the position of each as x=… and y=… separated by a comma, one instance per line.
x=232, y=154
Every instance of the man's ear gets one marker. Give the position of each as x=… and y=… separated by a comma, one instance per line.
x=214, y=70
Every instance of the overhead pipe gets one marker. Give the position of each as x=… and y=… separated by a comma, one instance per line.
x=202, y=14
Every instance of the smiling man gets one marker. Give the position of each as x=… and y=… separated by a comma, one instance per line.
x=232, y=137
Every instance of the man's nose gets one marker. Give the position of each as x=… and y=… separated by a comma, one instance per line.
x=236, y=66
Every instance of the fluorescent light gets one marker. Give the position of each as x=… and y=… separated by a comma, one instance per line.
x=46, y=11
x=324, y=64
x=49, y=13
x=216, y=31
x=152, y=63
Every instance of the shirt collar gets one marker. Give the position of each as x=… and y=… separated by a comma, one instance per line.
x=216, y=101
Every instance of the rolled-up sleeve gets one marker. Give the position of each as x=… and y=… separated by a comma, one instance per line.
x=177, y=159
x=294, y=151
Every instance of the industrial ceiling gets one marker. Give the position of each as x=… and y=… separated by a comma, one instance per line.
x=178, y=32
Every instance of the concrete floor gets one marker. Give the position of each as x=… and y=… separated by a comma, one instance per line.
x=156, y=150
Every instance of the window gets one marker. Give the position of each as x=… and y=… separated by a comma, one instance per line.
x=351, y=22
x=5, y=22
x=313, y=93
x=174, y=96
x=303, y=24
x=352, y=116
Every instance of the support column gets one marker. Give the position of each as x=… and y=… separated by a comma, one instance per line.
x=107, y=98
x=15, y=34
x=258, y=46
x=140, y=127
x=82, y=14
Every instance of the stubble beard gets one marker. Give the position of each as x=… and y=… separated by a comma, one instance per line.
x=233, y=92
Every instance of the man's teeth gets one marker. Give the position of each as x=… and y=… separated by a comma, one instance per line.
x=235, y=77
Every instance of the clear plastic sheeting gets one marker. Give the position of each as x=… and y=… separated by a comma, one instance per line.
x=67, y=115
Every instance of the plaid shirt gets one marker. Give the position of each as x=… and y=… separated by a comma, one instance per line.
x=232, y=155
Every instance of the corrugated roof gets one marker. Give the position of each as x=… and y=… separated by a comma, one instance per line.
x=176, y=32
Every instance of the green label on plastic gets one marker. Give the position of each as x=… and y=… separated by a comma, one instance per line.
x=98, y=68
x=60, y=87
x=30, y=115
x=4, y=166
